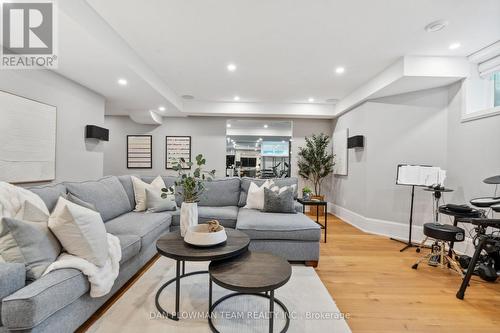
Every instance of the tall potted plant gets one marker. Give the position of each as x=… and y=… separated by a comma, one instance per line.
x=316, y=162
x=190, y=187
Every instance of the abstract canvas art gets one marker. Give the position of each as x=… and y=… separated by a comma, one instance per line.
x=139, y=152
x=340, y=151
x=27, y=140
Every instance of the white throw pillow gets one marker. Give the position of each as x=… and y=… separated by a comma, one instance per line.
x=80, y=230
x=140, y=191
x=255, y=196
x=155, y=203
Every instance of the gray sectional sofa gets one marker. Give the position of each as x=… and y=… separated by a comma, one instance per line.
x=60, y=300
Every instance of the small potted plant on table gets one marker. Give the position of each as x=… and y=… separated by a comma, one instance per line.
x=306, y=193
x=190, y=186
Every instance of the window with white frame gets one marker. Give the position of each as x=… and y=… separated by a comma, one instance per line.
x=496, y=87
x=482, y=87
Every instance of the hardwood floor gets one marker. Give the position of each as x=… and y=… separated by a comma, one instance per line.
x=371, y=280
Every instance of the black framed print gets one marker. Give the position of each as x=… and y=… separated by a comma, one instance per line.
x=177, y=147
x=139, y=152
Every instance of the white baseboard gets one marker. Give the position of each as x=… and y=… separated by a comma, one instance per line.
x=390, y=229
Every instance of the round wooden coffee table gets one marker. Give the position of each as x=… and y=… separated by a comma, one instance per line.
x=172, y=245
x=252, y=273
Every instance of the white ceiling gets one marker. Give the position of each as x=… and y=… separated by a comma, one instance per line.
x=259, y=127
x=286, y=51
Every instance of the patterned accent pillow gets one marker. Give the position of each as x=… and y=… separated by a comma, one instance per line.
x=275, y=202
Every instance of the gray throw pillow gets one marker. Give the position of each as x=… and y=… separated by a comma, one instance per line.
x=279, y=202
x=74, y=199
x=155, y=203
x=30, y=243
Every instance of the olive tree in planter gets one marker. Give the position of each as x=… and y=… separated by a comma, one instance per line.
x=315, y=162
x=190, y=187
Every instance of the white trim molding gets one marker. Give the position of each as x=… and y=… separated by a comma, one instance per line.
x=390, y=229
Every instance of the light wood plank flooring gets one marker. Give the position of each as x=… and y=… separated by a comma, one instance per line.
x=371, y=280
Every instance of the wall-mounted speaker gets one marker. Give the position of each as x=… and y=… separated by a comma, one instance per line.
x=357, y=141
x=96, y=132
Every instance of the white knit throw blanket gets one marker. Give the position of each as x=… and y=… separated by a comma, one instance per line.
x=101, y=279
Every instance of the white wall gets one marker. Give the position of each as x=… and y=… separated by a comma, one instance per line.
x=208, y=137
x=77, y=106
x=409, y=128
x=422, y=128
x=473, y=152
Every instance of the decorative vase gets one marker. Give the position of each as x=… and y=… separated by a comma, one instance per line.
x=306, y=195
x=189, y=216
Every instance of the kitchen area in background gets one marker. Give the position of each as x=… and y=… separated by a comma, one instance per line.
x=258, y=148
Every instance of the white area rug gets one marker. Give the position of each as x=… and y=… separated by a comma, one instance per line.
x=309, y=303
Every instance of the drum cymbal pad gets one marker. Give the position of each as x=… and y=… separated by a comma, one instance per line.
x=492, y=180
x=485, y=201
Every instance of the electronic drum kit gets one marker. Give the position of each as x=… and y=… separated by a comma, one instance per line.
x=486, y=236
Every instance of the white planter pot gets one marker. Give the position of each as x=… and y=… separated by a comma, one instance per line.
x=189, y=216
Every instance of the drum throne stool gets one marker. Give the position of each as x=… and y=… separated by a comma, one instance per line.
x=442, y=253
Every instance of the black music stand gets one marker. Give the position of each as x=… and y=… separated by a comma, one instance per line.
x=409, y=243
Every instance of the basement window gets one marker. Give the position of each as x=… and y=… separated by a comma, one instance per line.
x=482, y=96
x=496, y=84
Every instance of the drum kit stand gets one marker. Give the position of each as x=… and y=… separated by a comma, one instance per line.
x=486, y=237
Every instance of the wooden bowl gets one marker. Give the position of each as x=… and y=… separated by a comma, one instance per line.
x=198, y=235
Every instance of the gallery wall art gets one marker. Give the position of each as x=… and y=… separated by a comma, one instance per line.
x=177, y=147
x=139, y=152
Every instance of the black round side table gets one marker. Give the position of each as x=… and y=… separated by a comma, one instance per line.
x=252, y=273
x=172, y=245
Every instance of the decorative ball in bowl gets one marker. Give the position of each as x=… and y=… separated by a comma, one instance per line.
x=205, y=235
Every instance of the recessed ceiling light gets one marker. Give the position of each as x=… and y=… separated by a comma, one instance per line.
x=260, y=139
x=122, y=82
x=265, y=126
x=282, y=141
x=436, y=26
x=228, y=125
x=236, y=98
x=161, y=108
x=310, y=100
x=231, y=67
x=188, y=96
x=454, y=46
x=332, y=100
x=339, y=70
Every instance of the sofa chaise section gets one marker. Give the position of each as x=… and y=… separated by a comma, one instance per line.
x=293, y=236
